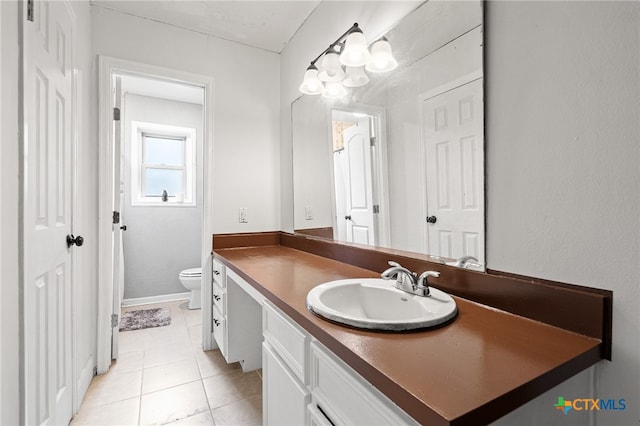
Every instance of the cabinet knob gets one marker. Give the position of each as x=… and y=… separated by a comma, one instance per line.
x=215, y=296
x=216, y=272
x=432, y=219
x=216, y=322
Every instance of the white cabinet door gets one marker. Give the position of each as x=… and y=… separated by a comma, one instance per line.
x=285, y=399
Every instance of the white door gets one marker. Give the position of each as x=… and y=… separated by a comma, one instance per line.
x=117, y=232
x=454, y=147
x=359, y=217
x=49, y=105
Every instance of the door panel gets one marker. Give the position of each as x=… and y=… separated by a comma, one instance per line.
x=48, y=98
x=454, y=148
x=359, y=182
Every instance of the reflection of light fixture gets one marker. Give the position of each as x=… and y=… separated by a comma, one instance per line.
x=334, y=90
x=382, y=59
x=348, y=51
x=356, y=77
x=331, y=70
x=355, y=52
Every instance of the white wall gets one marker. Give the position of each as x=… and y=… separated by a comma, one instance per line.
x=563, y=189
x=246, y=128
x=314, y=152
x=562, y=162
x=160, y=241
x=10, y=160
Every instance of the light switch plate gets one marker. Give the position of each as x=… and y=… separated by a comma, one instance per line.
x=242, y=215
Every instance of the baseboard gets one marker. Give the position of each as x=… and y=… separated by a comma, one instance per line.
x=155, y=299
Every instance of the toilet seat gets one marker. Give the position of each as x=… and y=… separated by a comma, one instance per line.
x=192, y=272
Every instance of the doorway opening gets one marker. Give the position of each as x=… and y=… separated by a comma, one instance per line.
x=160, y=191
x=155, y=138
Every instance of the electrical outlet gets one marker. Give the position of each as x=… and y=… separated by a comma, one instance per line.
x=308, y=213
x=242, y=215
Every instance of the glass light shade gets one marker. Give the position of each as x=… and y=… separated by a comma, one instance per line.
x=381, y=57
x=355, y=52
x=334, y=90
x=356, y=77
x=311, y=85
x=331, y=70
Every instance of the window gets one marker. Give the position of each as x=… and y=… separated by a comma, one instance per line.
x=162, y=165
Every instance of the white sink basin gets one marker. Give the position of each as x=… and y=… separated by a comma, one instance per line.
x=374, y=303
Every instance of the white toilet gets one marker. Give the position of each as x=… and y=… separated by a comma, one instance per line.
x=192, y=280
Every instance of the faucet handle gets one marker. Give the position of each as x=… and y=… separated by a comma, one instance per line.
x=461, y=262
x=423, y=281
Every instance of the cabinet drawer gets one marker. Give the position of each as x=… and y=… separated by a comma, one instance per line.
x=219, y=273
x=220, y=330
x=345, y=397
x=219, y=298
x=315, y=417
x=287, y=339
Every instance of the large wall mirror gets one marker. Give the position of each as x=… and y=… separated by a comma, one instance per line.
x=399, y=162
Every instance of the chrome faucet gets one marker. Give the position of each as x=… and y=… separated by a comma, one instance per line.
x=463, y=261
x=409, y=281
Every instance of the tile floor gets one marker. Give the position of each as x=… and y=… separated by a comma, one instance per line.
x=162, y=376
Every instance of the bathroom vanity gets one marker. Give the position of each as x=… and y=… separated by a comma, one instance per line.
x=473, y=370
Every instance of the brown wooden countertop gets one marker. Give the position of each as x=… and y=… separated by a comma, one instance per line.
x=472, y=371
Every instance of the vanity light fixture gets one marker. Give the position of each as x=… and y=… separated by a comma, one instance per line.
x=343, y=64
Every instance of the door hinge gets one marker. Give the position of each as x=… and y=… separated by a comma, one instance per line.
x=114, y=320
x=372, y=141
x=30, y=10
x=116, y=217
x=116, y=114
x=376, y=208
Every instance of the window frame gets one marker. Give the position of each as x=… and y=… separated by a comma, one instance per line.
x=140, y=130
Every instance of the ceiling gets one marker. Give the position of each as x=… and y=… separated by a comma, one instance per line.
x=264, y=24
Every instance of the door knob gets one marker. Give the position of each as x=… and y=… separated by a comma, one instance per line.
x=348, y=217
x=432, y=219
x=124, y=227
x=71, y=240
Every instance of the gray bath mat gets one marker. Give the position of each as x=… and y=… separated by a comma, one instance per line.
x=145, y=318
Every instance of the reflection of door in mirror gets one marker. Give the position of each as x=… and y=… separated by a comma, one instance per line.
x=353, y=190
x=357, y=179
x=453, y=145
